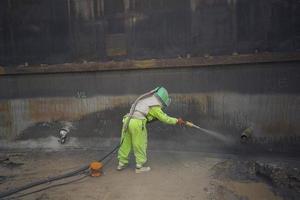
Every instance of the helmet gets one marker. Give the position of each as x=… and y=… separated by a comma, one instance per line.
x=163, y=96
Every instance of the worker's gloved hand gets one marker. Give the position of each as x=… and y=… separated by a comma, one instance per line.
x=180, y=122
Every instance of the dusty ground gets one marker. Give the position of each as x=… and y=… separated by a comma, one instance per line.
x=174, y=175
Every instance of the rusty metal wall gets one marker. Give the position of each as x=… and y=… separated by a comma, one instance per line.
x=227, y=99
x=60, y=31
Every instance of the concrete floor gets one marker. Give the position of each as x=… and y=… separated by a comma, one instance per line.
x=174, y=175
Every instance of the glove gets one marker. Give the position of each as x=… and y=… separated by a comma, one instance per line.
x=180, y=122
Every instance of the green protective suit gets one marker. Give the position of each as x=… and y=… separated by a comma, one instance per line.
x=136, y=136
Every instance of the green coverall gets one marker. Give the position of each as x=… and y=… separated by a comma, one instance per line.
x=136, y=136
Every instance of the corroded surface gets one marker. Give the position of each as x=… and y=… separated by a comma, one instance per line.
x=228, y=100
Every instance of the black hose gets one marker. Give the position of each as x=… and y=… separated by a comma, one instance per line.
x=54, y=178
x=48, y=187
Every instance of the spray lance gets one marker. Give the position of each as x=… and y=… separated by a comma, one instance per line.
x=190, y=124
x=212, y=133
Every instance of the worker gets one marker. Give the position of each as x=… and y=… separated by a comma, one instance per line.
x=147, y=108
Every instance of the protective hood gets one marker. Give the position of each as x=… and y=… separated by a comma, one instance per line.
x=163, y=96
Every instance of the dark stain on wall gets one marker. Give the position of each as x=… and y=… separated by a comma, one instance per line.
x=60, y=31
x=96, y=129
